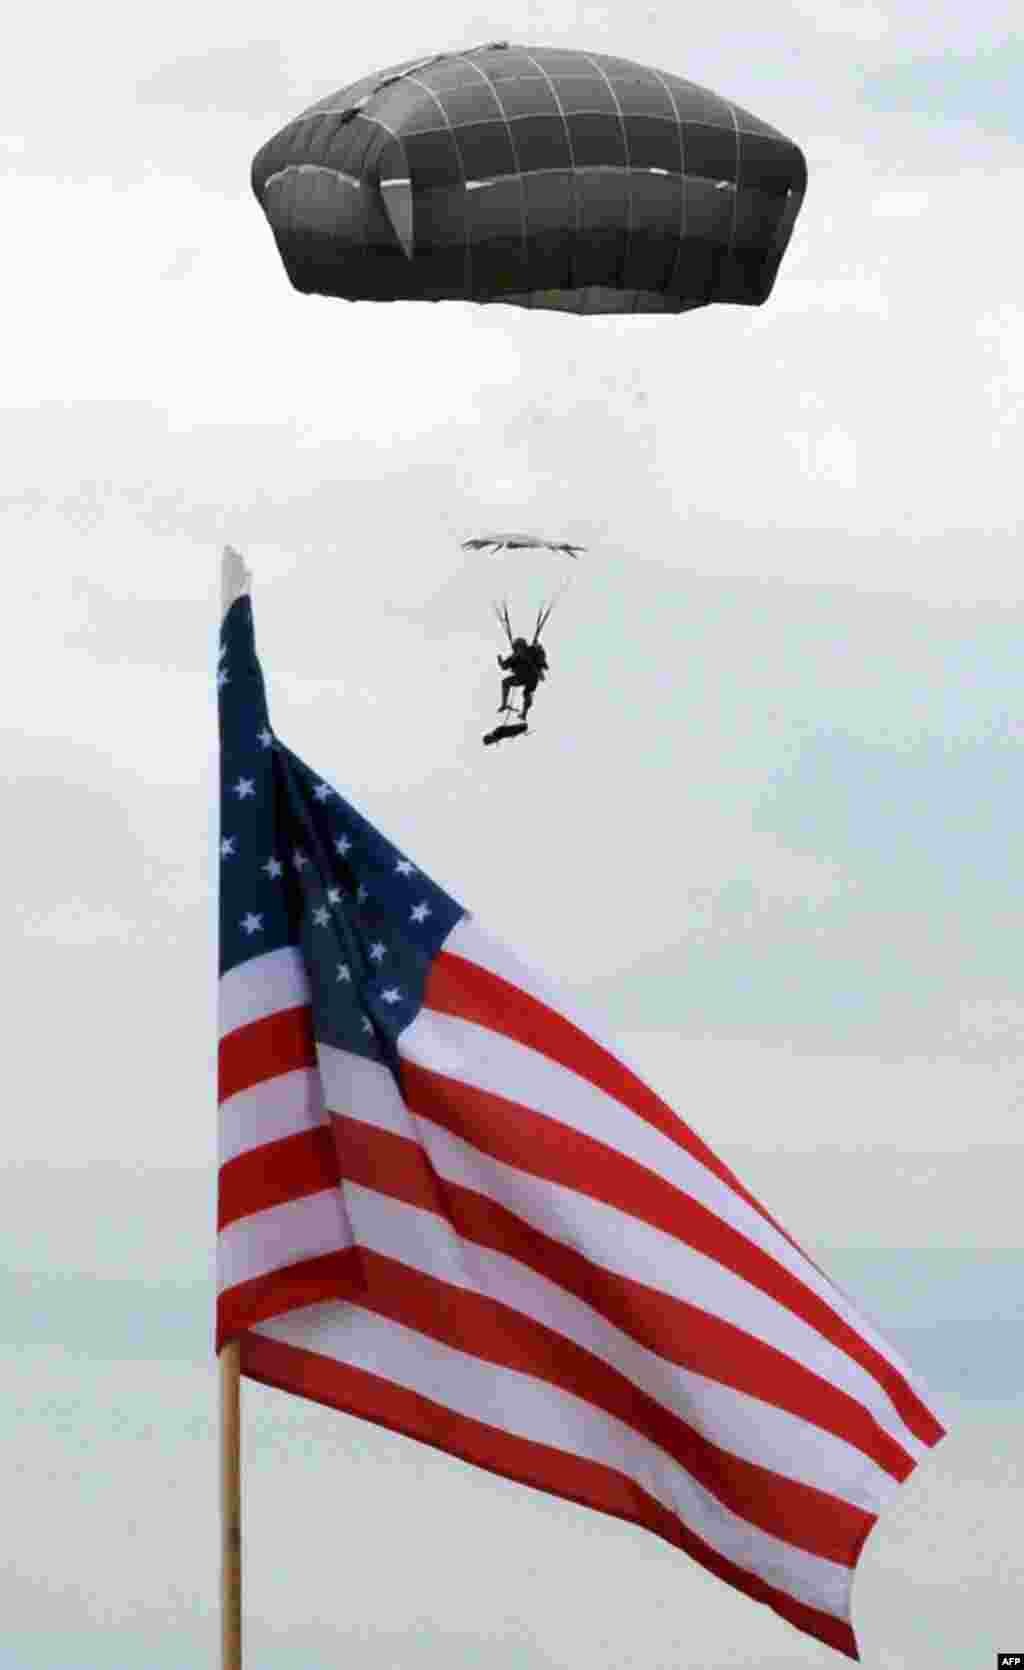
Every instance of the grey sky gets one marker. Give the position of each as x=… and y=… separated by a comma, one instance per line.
x=984, y=87
x=779, y=753
x=787, y=688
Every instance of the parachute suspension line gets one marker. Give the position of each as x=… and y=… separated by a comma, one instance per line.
x=503, y=619
x=545, y=613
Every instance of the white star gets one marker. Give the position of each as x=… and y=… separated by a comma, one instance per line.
x=227, y=846
x=403, y=867
x=392, y=995
x=344, y=972
x=361, y=894
x=419, y=913
x=245, y=787
x=251, y=923
x=321, y=916
x=321, y=791
x=222, y=678
x=264, y=738
x=273, y=867
x=334, y=895
x=299, y=858
x=342, y=844
x=378, y=952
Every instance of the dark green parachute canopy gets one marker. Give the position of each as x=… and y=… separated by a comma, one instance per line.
x=541, y=177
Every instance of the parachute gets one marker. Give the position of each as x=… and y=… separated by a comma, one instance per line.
x=537, y=177
x=533, y=583
x=519, y=542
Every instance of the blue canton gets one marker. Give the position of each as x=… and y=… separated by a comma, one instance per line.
x=300, y=866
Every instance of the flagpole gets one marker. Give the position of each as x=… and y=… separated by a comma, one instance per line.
x=230, y=1509
x=235, y=579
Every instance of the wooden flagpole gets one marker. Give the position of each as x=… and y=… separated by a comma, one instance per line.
x=230, y=1509
x=235, y=579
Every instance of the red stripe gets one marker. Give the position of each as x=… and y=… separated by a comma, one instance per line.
x=535, y=1144
x=681, y=1333
x=371, y=1398
x=277, y=1172
x=459, y=987
x=314, y=1281
x=251, y=1054
x=799, y=1514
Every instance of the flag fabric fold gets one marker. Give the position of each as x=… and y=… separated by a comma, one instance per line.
x=448, y=1206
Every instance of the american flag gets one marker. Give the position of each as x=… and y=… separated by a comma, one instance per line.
x=447, y=1207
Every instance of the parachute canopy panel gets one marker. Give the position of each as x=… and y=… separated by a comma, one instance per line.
x=540, y=177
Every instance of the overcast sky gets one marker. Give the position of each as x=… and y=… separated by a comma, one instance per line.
x=766, y=826
x=767, y=823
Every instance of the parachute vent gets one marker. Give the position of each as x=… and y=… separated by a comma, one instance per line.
x=397, y=195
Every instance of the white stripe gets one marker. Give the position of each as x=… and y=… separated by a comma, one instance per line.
x=471, y=942
x=353, y=1084
x=295, y=1103
x=261, y=987
x=528, y=1408
x=281, y=1107
x=277, y=980
x=743, y=1425
x=500, y=1066
x=615, y=1241
x=280, y=1236
x=488, y=1061
x=468, y=940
